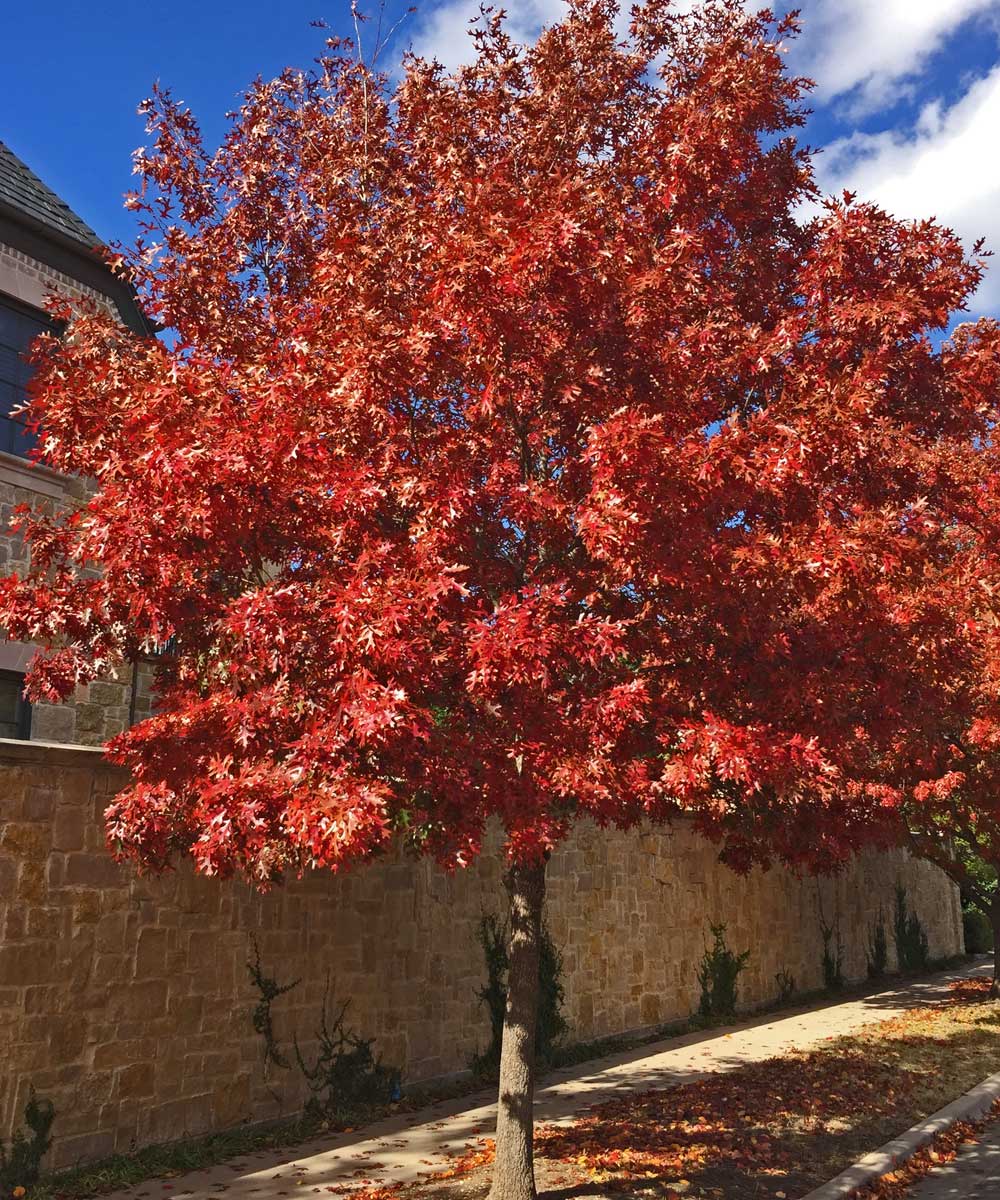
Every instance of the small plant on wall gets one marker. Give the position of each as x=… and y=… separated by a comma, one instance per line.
x=493, y=994
x=268, y=989
x=551, y=1027
x=833, y=957
x=912, y=950
x=878, y=947
x=718, y=976
x=20, y=1163
x=833, y=947
x=785, y=983
x=346, y=1075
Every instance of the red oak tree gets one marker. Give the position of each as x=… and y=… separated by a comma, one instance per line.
x=948, y=797
x=955, y=824
x=519, y=452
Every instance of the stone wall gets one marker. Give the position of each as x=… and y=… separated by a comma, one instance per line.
x=127, y=999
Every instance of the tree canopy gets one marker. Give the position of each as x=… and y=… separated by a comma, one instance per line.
x=521, y=448
x=518, y=449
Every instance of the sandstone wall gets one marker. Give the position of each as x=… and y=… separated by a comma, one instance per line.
x=127, y=1000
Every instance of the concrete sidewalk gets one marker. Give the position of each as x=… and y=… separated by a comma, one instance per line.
x=973, y=1175
x=402, y=1148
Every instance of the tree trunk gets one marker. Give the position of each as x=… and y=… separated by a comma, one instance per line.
x=514, y=1172
x=995, y=922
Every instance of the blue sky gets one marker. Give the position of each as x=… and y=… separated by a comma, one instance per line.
x=907, y=105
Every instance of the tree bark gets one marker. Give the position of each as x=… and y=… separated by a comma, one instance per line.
x=995, y=922
x=514, y=1172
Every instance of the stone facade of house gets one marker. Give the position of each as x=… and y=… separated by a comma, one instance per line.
x=127, y=999
x=46, y=248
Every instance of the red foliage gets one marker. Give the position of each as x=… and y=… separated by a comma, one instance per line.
x=752, y=1120
x=516, y=452
x=969, y=991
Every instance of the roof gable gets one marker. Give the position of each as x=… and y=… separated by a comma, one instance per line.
x=22, y=191
x=35, y=221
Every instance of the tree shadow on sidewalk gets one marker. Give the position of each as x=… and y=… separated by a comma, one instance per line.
x=785, y=1124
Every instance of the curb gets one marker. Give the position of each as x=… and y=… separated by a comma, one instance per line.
x=873, y=1166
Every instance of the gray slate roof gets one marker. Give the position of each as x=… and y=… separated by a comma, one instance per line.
x=23, y=191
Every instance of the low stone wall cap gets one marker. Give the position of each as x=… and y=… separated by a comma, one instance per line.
x=12, y=750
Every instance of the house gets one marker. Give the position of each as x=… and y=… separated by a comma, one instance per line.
x=46, y=247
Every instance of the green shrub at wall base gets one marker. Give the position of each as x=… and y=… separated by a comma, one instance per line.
x=878, y=947
x=978, y=931
x=912, y=951
x=493, y=936
x=718, y=976
x=21, y=1163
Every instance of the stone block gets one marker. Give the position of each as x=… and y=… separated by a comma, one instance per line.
x=8, y=878
x=14, y=923
x=93, y=870
x=106, y=694
x=52, y=723
x=89, y=720
x=151, y=953
x=24, y=842
x=23, y=963
x=136, y=1082
x=122, y=1053
x=50, y=922
x=109, y=933
x=142, y=1001
x=69, y=828
x=88, y=905
x=32, y=884
x=39, y=804
x=180, y=1118
x=66, y=1033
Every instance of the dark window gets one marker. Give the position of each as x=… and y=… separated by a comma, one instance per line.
x=18, y=329
x=15, y=711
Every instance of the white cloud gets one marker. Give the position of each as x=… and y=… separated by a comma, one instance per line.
x=871, y=50
x=945, y=167
x=444, y=32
